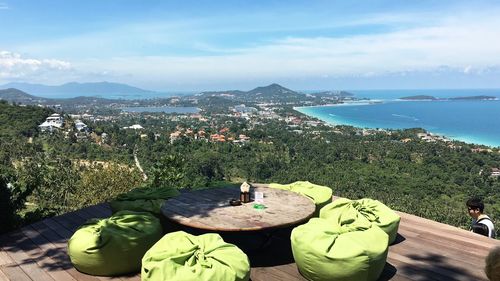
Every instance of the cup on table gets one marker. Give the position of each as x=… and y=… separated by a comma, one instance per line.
x=245, y=197
x=259, y=197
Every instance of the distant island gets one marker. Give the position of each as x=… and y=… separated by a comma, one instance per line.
x=419, y=97
x=83, y=89
x=475, y=98
x=424, y=97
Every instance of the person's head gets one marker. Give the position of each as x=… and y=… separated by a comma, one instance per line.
x=492, y=268
x=475, y=207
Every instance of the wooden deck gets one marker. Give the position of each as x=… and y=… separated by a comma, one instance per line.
x=424, y=250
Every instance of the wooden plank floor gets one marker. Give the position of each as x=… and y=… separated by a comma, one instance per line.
x=424, y=250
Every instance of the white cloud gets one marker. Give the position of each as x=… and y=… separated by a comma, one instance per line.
x=421, y=49
x=15, y=67
x=462, y=44
x=466, y=43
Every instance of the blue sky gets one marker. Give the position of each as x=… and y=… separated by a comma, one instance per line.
x=208, y=45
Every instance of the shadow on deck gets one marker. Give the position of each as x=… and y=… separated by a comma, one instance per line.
x=424, y=250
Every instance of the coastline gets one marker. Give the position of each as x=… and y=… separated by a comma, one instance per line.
x=350, y=103
x=335, y=120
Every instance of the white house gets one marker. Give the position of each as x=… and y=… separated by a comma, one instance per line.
x=135, y=127
x=80, y=126
x=53, y=121
x=495, y=172
x=244, y=109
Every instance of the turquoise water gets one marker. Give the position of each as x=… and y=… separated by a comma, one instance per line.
x=164, y=109
x=445, y=93
x=469, y=121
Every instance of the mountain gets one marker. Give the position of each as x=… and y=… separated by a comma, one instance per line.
x=20, y=120
x=77, y=89
x=271, y=90
x=271, y=93
x=18, y=96
x=419, y=97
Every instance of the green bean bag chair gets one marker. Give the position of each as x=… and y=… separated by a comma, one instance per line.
x=144, y=199
x=182, y=256
x=115, y=245
x=321, y=195
x=350, y=249
x=373, y=210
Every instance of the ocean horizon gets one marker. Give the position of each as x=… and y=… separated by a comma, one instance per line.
x=390, y=94
x=470, y=121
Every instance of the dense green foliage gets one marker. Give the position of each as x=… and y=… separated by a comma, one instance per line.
x=20, y=121
x=8, y=205
x=44, y=175
x=55, y=173
x=432, y=180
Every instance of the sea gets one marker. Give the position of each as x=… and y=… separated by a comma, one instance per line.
x=471, y=121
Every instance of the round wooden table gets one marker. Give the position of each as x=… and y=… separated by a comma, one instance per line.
x=209, y=209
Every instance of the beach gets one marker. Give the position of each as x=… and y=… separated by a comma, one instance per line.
x=468, y=121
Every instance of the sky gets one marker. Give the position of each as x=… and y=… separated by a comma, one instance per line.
x=218, y=45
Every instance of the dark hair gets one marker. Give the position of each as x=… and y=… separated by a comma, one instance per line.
x=480, y=228
x=475, y=203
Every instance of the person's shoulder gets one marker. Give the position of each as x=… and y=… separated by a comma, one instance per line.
x=486, y=221
x=482, y=218
x=481, y=228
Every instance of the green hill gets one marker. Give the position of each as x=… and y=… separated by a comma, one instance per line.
x=271, y=93
x=20, y=120
x=475, y=98
x=419, y=97
x=18, y=96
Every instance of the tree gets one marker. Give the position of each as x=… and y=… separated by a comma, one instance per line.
x=56, y=194
x=8, y=215
x=14, y=191
x=101, y=184
x=169, y=171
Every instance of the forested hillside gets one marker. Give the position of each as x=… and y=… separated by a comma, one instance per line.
x=39, y=177
x=56, y=173
x=431, y=180
x=16, y=121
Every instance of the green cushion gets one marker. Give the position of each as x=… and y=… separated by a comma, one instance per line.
x=115, y=245
x=373, y=210
x=321, y=195
x=349, y=249
x=182, y=256
x=144, y=199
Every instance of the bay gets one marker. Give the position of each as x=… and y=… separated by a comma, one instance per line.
x=471, y=121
